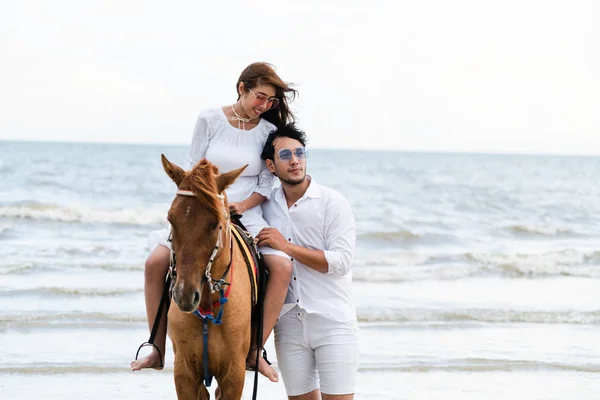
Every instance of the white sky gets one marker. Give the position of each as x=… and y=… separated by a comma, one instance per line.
x=503, y=76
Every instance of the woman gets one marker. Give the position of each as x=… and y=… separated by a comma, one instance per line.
x=229, y=137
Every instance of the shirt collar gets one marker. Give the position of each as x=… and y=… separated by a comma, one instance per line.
x=314, y=189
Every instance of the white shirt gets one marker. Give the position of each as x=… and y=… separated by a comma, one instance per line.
x=321, y=220
x=230, y=148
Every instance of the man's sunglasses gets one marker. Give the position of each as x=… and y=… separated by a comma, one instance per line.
x=286, y=154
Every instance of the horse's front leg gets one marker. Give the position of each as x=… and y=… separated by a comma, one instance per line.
x=204, y=395
x=187, y=385
x=231, y=384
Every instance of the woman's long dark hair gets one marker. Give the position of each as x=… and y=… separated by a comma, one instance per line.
x=261, y=73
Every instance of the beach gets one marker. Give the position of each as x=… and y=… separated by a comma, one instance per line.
x=476, y=276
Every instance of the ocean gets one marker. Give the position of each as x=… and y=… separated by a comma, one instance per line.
x=476, y=276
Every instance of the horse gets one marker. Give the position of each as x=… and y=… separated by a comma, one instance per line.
x=211, y=326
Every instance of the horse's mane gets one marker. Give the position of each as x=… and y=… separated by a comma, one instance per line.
x=204, y=186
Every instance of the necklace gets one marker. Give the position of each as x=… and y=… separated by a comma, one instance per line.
x=241, y=121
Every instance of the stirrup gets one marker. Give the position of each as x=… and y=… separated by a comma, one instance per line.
x=264, y=356
x=162, y=360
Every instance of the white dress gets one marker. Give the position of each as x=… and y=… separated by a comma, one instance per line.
x=229, y=148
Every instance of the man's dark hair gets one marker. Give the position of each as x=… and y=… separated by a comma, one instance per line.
x=288, y=130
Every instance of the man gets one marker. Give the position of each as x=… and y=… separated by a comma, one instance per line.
x=316, y=334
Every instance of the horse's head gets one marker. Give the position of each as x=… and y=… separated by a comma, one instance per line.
x=199, y=220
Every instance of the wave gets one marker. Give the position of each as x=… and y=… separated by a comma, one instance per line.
x=390, y=236
x=21, y=269
x=436, y=236
x=404, y=237
x=482, y=365
x=592, y=258
x=71, y=317
x=520, y=229
x=432, y=316
x=407, y=266
x=75, y=320
x=65, y=291
x=531, y=265
x=82, y=214
x=403, y=316
x=5, y=232
x=32, y=268
x=442, y=365
x=454, y=272
x=50, y=369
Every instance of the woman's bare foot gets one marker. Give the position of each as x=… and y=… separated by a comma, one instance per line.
x=263, y=367
x=152, y=360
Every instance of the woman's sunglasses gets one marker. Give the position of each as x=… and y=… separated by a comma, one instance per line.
x=259, y=99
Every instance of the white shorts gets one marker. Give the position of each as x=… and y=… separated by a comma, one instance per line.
x=316, y=352
x=252, y=220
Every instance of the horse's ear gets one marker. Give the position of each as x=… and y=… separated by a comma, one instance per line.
x=172, y=170
x=226, y=179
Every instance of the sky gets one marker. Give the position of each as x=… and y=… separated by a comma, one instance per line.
x=429, y=75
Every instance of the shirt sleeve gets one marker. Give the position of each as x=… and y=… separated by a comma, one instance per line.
x=200, y=139
x=340, y=237
x=265, y=183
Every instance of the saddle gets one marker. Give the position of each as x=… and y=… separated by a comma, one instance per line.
x=258, y=280
x=252, y=257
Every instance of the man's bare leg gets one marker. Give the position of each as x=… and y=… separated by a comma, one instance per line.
x=316, y=395
x=337, y=396
x=280, y=273
x=155, y=272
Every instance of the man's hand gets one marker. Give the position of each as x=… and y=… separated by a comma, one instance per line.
x=237, y=207
x=272, y=238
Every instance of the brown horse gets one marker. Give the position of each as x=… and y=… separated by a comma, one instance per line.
x=210, y=266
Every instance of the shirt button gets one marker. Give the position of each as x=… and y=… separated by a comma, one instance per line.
x=297, y=300
x=294, y=278
x=291, y=259
x=289, y=239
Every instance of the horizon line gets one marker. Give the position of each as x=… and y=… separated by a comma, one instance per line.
x=380, y=150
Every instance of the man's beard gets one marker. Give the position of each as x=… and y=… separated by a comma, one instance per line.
x=293, y=182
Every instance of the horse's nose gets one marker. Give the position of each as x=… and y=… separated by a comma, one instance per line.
x=190, y=303
x=187, y=300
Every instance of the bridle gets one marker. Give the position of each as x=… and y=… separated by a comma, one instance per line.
x=214, y=284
